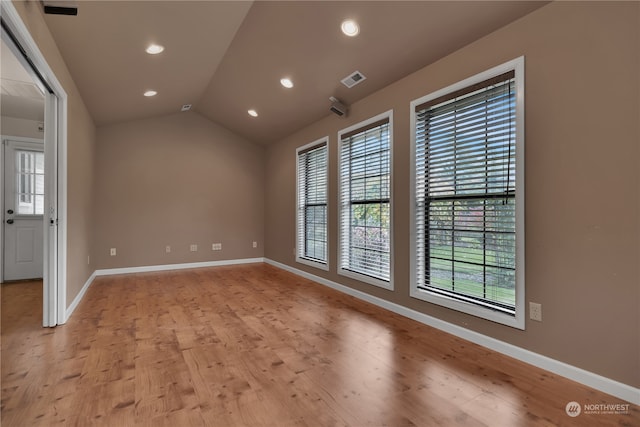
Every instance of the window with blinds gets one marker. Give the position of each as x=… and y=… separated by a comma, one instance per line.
x=311, y=215
x=29, y=169
x=365, y=201
x=467, y=189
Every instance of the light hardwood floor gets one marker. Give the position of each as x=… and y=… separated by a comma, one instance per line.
x=253, y=345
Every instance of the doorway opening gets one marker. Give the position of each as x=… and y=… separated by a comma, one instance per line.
x=33, y=178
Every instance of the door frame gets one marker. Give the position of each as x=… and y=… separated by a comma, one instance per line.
x=55, y=145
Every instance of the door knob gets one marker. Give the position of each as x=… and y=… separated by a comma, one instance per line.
x=9, y=221
x=10, y=211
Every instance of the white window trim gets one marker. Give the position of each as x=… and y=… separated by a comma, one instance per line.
x=352, y=274
x=300, y=259
x=517, y=321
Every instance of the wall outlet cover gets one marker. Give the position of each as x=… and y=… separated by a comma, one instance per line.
x=535, y=311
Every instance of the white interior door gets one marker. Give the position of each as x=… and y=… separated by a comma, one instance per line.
x=23, y=210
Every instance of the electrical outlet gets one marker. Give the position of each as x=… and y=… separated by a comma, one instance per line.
x=193, y=248
x=255, y=244
x=167, y=249
x=535, y=311
x=112, y=251
x=216, y=247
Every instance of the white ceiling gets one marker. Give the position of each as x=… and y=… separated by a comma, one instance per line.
x=19, y=97
x=228, y=57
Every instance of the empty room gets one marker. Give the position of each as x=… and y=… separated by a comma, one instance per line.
x=320, y=213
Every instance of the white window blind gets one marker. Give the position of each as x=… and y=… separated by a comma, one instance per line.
x=312, y=203
x=465, y=194
x=365, y=209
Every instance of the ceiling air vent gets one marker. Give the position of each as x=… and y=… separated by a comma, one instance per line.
x=60, y=7
x=353, y=79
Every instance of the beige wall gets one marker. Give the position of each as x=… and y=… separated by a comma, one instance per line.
x=582, y=182
x=81, y=136
x=176, y=180
x=11, y=126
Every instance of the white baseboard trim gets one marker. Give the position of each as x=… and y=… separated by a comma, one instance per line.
x=151, y=268
x=78, y=297
x=598, y=382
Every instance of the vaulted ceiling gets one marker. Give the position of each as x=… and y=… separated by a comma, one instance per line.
x=226, y=57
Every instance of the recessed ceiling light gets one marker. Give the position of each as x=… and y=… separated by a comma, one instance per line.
x=150, y=93
x=253, y=113
x=350, y=27
x=286, y=82
x=154, y=49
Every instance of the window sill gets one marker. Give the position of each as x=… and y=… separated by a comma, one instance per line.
x=516, y=321
x=366, y=279
x=316, y=264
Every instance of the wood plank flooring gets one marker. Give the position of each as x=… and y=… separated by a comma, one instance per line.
x=253, y=345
